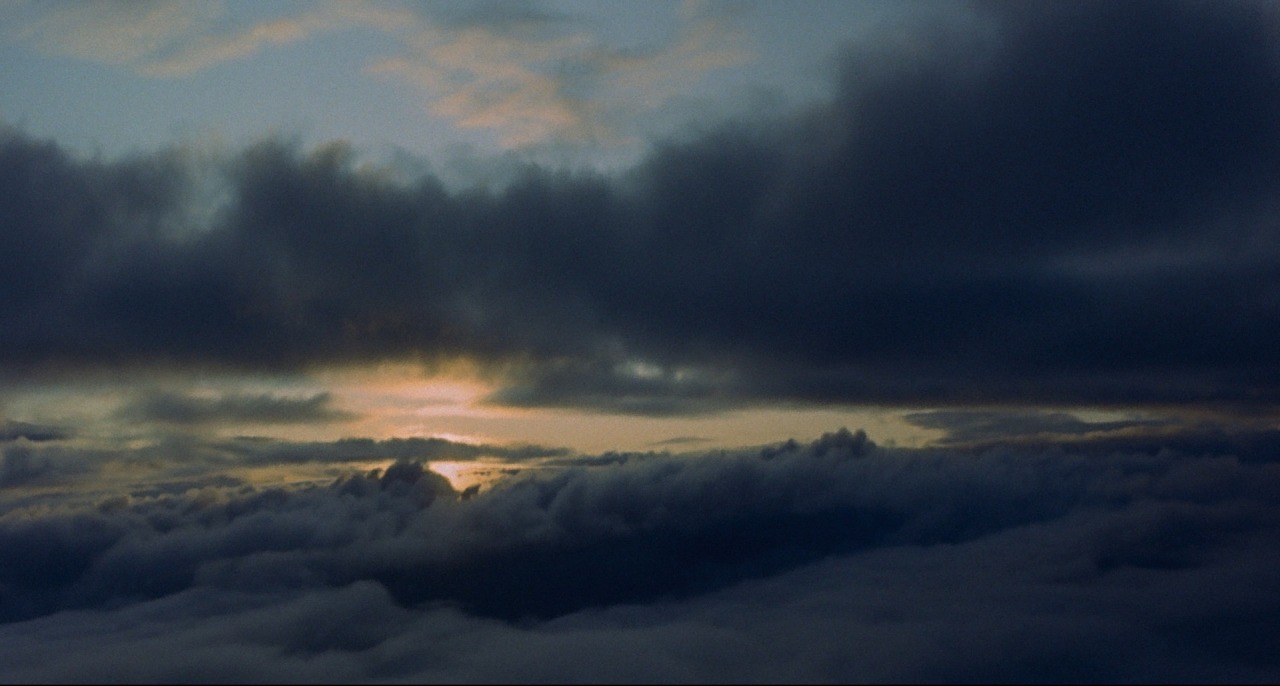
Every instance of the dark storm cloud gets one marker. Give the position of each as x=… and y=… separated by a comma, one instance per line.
x=829, y=561
x=1058, y=202
x=266, y=408
x=33, y=462
x=12, y=431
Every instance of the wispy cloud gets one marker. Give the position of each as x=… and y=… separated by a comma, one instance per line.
x=706, y=40
x=205, y=51
x=125, y=33
x=481, y=79
x=174, y=39
x=681, y=440
x=526, y=75
x=544, y=78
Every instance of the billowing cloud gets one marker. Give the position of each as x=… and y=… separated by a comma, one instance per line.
x=1075, y=205
x=830, y=561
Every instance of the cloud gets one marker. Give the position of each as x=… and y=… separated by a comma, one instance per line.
x=498, y=17
x=534, y=76
x=12, y=431
x=970, y=426
x=116, y=32
x=18, y=466
x=205, y=51
x=175, y=39
x=623, y=386
x=835, y=560
x=68, y=473
x=1079, y=212
x=529, y=74
x=256, y=450
x=176, y=408
x=706, y=41
x=681, y=440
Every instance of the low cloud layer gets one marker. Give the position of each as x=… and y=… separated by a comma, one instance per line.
x=1061, y=203
x=71, y=471
x=182, y=409
x=830, y=561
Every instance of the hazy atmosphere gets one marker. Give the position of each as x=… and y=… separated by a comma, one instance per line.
x=631, y=341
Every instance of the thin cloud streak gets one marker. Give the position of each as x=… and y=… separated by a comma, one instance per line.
x=174, y=408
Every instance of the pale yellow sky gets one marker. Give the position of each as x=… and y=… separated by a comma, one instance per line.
x=403, y=400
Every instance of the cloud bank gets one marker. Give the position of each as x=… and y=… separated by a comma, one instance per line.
x=1076, y=203
x=835, y=560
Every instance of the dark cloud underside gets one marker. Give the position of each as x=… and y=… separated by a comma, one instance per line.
x=830, y=561
x=12, y=431
x=176, y=408
x=183, y=461
x=1074, y=204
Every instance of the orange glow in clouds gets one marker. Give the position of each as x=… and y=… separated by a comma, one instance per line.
x=407, y=400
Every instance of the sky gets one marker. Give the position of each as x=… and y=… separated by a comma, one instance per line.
x=662, y=341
